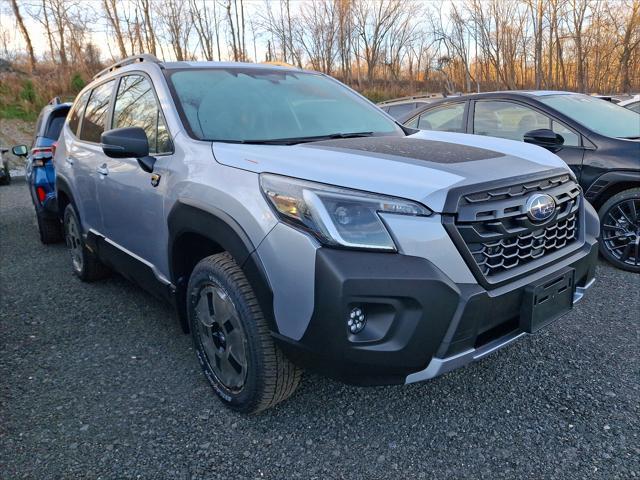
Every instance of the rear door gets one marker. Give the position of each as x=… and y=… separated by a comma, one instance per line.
x=86, y=156
x=131, y=200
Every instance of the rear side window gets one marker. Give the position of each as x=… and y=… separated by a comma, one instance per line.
x=56, y=121
x=95, y=115
x=396, y=110
x=136, y=106
x=448, y=118
x=76, y=112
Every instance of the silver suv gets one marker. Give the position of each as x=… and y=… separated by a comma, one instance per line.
x=294, y=225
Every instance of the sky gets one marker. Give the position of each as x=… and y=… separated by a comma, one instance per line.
x=99, y=37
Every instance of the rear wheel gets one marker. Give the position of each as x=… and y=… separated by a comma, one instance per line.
x=50, y=229
x=232, y=339
x=84, y=262
x=620, y=230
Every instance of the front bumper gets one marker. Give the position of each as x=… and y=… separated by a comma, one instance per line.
x=420, y=324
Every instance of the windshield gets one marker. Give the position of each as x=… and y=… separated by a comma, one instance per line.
x=597, y=115
x=262, y=105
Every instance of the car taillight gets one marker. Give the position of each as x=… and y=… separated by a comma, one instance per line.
x=41, y=194
x=54, y=145
x=39, y=155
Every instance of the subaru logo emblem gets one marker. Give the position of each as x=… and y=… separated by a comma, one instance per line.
x=540, y=207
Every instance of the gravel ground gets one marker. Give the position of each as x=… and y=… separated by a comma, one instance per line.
x=97, y=381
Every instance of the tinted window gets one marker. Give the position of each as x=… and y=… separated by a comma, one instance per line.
x=397, y=110
x=268, y=104
x=571, y=138
x=76, y=112
x=447, y=119
x=136, y=106
x=604, y=118
x=506, y=120
x=56, y=121
x=95, y=115
x=634, y=107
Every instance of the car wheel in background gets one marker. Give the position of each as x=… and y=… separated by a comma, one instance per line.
x=232, y=339
x=50, y=229
x=620, y=230
x=84, y=262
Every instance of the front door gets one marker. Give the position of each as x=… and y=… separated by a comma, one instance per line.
x=511, y=120
x=132, y=200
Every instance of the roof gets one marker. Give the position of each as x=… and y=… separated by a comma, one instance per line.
x=248, y=65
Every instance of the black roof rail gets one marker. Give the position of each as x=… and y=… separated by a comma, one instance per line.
x=143, y=57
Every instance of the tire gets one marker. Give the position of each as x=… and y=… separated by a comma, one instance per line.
x=50, y=229
x=6, y=179
x=620, y=230
x=85, y=263
x=234, y=346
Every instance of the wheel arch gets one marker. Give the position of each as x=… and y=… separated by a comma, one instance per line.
x=609, y=184
x=195, y=233
x=63, y=196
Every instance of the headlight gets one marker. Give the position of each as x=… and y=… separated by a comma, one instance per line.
x=336, y=216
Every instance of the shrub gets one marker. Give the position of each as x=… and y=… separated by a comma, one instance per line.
x=77, y=83
x=28, y=92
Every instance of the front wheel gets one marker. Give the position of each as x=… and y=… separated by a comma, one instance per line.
x=620, y=230
x=232, y=339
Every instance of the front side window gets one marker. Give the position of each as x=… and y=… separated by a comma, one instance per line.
x=262, y=105
x=506, y=120
x=95, y=115
x=449, y=118
x=600, y=116
x=136, y=106
x=77, y=111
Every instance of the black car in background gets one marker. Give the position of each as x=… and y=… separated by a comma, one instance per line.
x=599, y=140
x=5, y=175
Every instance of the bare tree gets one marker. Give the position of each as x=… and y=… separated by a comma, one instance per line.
x=25, y=34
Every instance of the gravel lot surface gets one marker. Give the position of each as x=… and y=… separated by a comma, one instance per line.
x=97, y=381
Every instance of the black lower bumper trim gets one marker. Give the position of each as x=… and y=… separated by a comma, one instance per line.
x=413, y=311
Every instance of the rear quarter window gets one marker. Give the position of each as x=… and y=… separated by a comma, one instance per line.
x=56, y=121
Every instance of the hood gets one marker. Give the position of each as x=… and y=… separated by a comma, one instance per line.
x=421, y=167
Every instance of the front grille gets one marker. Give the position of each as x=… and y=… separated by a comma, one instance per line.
x=499, y=235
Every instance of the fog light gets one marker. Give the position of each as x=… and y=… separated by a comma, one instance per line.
x=356, y=321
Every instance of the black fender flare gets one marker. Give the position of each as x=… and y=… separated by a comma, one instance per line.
x=222, y=229
x=62, y=186
x=604, y=181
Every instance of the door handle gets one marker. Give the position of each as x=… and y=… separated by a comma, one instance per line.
x=103, y=169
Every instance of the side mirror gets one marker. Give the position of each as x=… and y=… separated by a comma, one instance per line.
x=544, y=137
x=130, y=142
x=20, y=150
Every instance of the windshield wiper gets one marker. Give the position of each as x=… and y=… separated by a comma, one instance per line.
x=296, y=140
x=630, y=138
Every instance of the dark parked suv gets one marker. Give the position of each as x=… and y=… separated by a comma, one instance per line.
x=40, y=173
x=599, y=140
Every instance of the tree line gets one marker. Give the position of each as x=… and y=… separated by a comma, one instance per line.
x=465, y=45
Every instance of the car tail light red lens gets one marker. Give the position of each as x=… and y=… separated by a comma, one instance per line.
x=41, y=194
x=42, y=153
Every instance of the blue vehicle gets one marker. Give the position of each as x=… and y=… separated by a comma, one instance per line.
x=40, y=174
